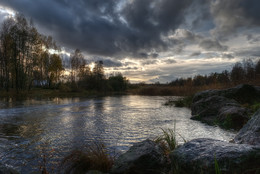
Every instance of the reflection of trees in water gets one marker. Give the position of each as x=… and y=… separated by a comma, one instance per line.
x=9, y=129
x=27, y=130
x=99, y=115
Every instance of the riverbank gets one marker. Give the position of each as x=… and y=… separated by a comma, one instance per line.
x=132, y=89
x=40, y=93
x=143, y=90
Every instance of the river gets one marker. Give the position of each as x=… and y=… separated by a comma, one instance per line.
x=31, y=128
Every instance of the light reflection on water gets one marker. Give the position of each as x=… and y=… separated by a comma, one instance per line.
x=30, y=127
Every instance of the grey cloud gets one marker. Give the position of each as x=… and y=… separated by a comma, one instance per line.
x=131, y=68
x=129, y=63
x=252, y=39
x=194, y=54
x=212, y=45
x=249, y=52
x=249, y=36
x=200, y=17
x=143, y=55
x=170, y=61
x=210, y=55
x=126, y=68
x=149, y=62
x=154, y=55
x=112, y=63
x=229, y=56
x=185, y=37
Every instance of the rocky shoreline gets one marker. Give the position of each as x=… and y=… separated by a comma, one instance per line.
x=197, y=156
x=227, y=108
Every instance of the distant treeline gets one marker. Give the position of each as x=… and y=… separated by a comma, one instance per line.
x=246, y=71
x=82, y=77
x=29, y=59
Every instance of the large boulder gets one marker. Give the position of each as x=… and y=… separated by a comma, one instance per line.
x=201, y=156
x=220, y=110
x=243, y=93
x=208, y=108
x=225, y=107
x=144, y=157
x=250, y=133
x=233, y=117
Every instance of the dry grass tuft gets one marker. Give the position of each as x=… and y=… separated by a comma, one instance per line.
x=95, y=157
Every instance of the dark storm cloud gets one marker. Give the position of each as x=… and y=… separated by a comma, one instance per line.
x=251, y=10
x=230, y=15
x=201, y=18
x=103, y=27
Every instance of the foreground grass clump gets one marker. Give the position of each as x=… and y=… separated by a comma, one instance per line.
x=95, y=157
x=168, y=140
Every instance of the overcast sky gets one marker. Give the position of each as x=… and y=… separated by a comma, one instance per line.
x=150, y=40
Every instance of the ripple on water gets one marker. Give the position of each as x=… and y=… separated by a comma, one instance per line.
x=59, y=126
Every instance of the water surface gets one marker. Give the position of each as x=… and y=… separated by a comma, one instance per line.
x=54, y=127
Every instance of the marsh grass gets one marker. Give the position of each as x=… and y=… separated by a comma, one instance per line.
x=168, y=139
x=217, y=169
x=168, y=90
x=94, y=157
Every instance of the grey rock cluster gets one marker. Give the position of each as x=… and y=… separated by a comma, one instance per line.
x=225, y=107
x=241, y=156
